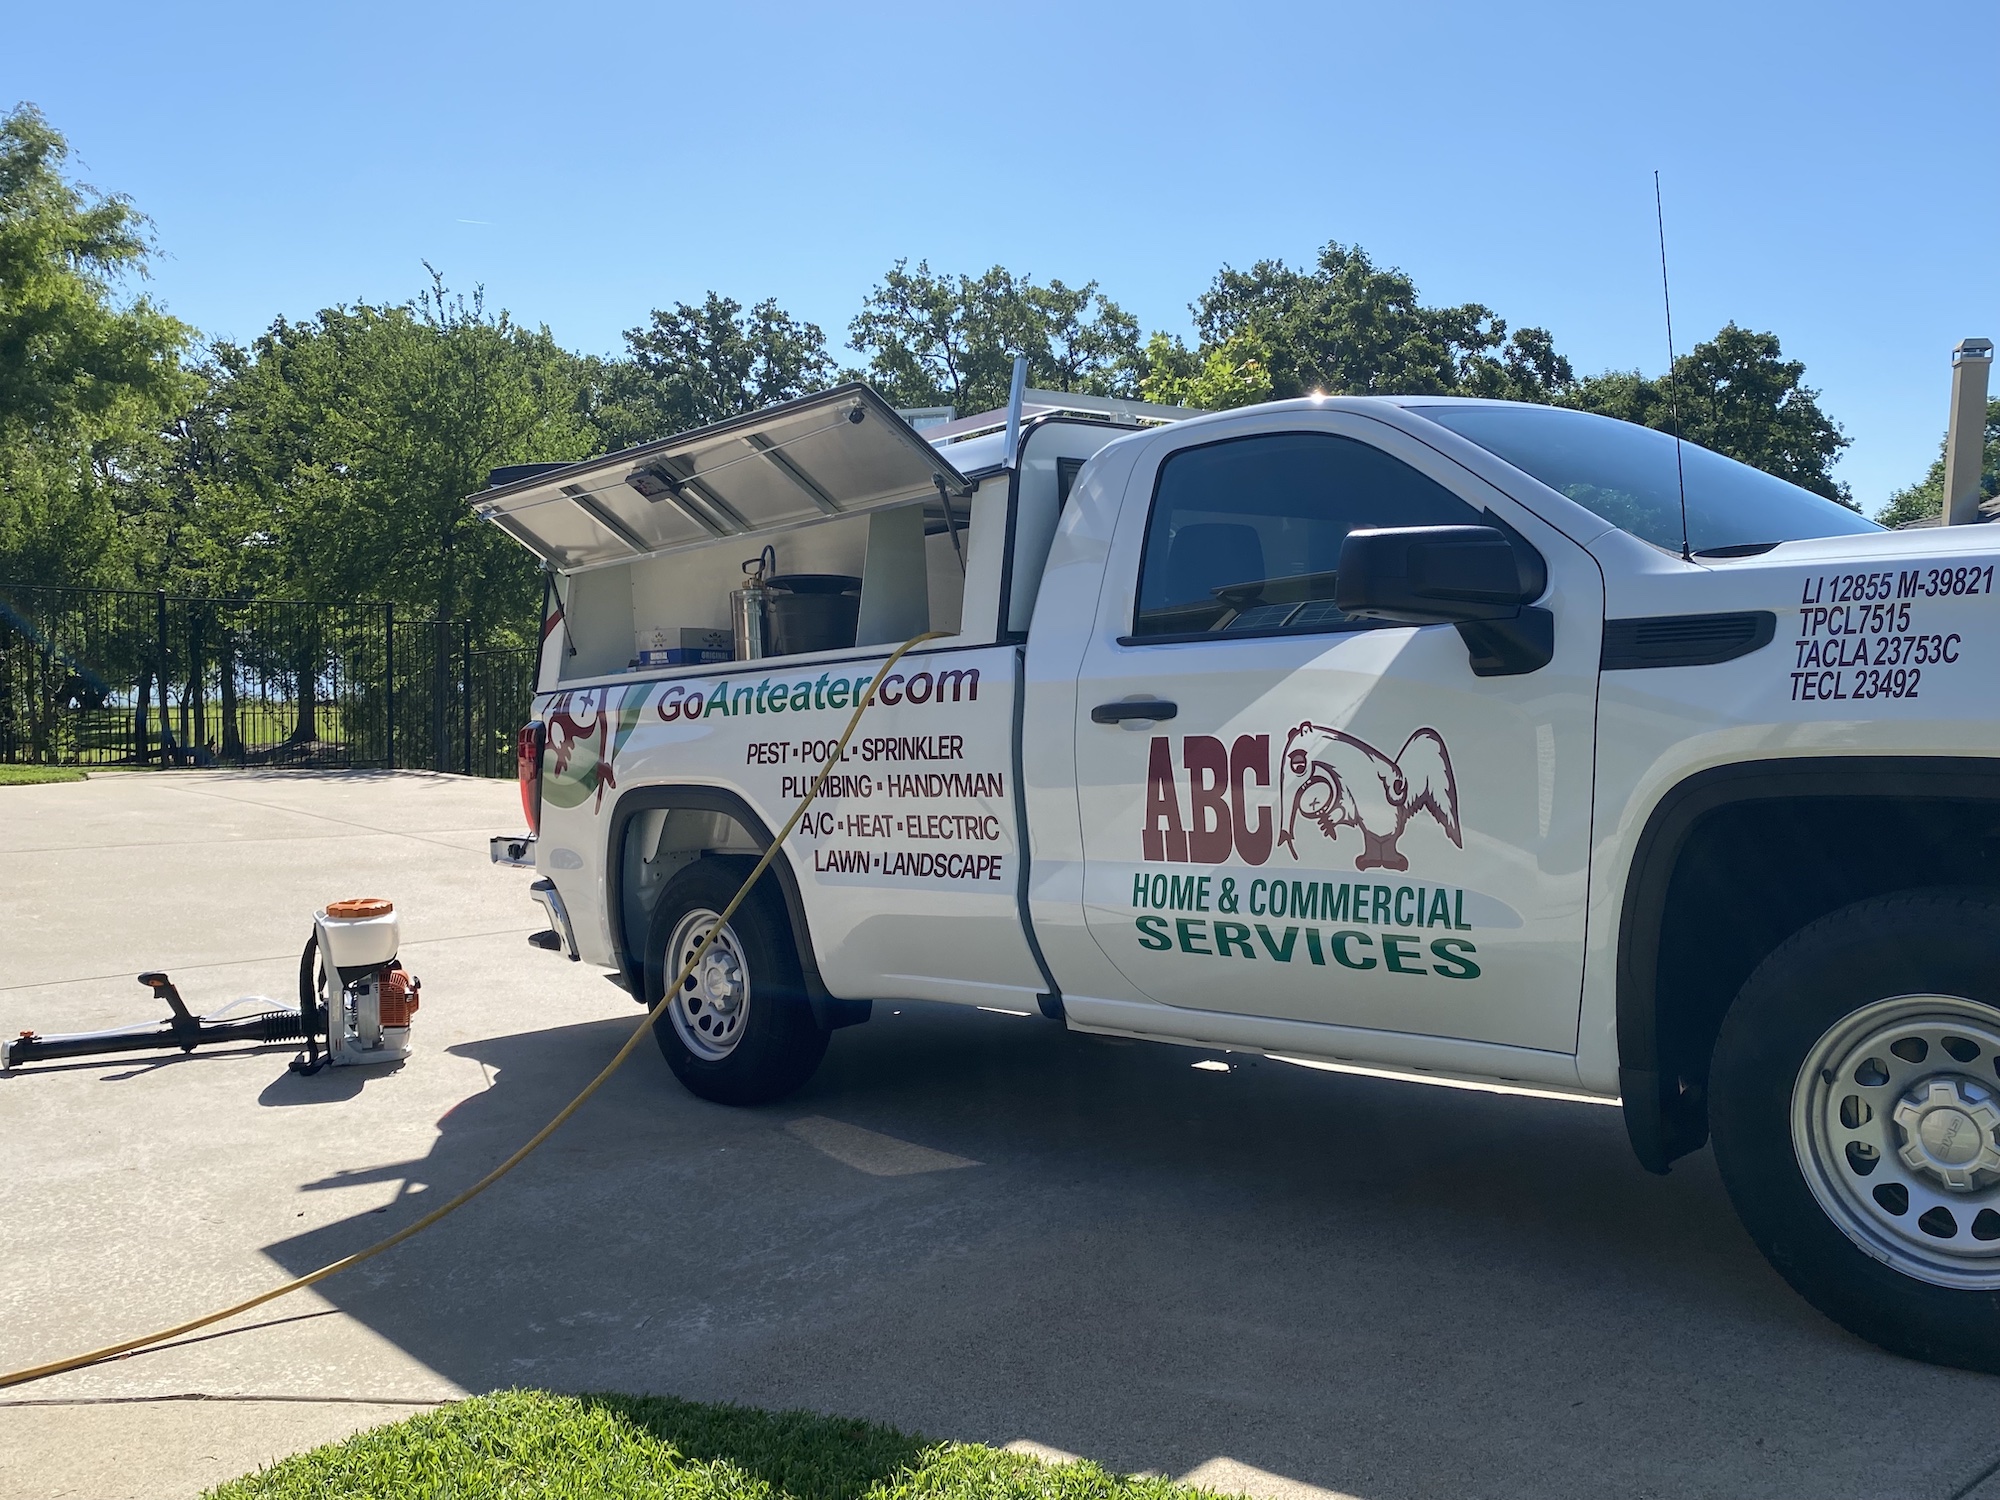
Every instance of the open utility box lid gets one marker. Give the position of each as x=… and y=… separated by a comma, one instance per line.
x=841, y=452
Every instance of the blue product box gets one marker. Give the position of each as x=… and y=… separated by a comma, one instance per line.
x=682, y=656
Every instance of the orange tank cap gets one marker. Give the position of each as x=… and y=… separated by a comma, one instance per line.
x=359, y=908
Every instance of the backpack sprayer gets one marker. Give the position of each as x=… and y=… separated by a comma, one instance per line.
x=355, y=1003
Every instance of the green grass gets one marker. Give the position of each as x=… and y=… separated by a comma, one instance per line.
x=32, y=775
x=516, y=1444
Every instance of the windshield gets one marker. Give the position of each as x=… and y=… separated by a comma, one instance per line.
x=1625, y=473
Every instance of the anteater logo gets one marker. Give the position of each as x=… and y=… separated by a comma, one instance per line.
x=1338, y=782
x=587, y=729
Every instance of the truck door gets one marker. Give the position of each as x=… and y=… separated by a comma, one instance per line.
x=1291, y=813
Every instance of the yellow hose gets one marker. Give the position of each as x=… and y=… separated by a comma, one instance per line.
x=347, y=1262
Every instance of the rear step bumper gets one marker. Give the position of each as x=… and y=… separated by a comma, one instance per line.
x=560, y=937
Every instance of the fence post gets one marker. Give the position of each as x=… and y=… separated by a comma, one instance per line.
x=389, y=680
x=440, y=677
x=465, y=713
x=160, y=674
x=194, y=705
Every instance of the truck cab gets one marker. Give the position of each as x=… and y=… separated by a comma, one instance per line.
x=1464, y=739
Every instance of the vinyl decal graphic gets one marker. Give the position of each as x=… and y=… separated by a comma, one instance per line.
x=1211, y=806
x=1336, y=781
x=585, y=735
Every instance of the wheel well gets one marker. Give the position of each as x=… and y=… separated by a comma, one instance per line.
x=658, y=843
x=1736, y=860
x=658, y=831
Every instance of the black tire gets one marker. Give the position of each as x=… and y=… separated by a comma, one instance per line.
x=773, y=1044
x=1799, y=1099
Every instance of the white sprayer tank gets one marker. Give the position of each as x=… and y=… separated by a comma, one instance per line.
x=368, y=1004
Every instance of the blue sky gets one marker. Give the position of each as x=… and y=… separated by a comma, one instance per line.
x=586, y=163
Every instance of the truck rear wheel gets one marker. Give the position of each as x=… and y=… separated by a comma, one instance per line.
x=740, y=1030
x=1855, y=1107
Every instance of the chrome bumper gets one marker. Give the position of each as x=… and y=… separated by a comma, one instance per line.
x=545, y=891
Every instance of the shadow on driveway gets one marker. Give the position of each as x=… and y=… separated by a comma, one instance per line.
x=1378, y=1288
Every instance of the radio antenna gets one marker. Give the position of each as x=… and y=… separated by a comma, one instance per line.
x=1673, y=387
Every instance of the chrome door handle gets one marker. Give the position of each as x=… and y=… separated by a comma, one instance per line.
x=1133, y=708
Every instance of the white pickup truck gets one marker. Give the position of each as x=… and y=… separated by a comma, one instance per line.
x=1432, y=735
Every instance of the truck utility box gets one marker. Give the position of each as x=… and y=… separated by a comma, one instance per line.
x=1466, y=739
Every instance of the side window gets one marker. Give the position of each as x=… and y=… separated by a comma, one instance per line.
x=1066, y=471
x=1245, y=534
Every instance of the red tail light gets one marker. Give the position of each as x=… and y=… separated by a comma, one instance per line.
x=528, y=771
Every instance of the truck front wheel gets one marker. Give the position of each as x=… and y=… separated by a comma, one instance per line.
x=1855, y=1107
x=740, y=1029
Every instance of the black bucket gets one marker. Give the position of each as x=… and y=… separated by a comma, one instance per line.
x=812, y=612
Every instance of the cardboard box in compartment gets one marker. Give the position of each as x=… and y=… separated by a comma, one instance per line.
x=679, y=656
x=698, y=646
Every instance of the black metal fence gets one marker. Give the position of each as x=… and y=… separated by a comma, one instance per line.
x=108, y=677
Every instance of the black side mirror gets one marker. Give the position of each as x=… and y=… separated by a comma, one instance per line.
x=1468, y=576
x=1428, y=575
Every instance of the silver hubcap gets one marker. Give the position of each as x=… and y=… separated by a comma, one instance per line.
x=710, y=1009
x=1896, y=1124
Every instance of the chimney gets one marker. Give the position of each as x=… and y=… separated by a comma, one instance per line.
x=1965, y=438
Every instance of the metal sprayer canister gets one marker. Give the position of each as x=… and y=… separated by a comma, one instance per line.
x=748, y=619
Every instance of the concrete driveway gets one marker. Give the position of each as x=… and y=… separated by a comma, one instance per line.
x=970, y=1224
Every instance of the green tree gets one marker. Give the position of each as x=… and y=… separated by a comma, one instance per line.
x=189, y=525
x=86, y=377
x=1925, y=498
x=361, y=431
x=699, y=364
x=934, y=339
x=1347, y=327
x=1738, y=395
x=1235, y=373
